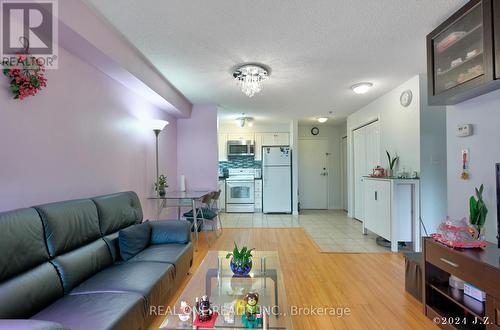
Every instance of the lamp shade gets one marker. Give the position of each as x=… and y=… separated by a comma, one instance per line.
x=158, y=125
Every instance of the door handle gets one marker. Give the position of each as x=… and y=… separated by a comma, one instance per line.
x=376, y=195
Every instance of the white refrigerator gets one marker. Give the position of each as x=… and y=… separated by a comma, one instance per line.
x=277, y=180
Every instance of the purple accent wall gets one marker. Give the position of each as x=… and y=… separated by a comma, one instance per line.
x=82, y=136
x=197, y=155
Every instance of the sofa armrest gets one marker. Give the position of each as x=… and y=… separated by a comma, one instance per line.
x=170, y=231
x=30, y=325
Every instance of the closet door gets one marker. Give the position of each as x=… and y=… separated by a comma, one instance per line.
x=372, y=146
x=359, y=156
x=366, y=142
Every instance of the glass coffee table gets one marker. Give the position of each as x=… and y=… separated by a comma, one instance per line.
x=215, y=279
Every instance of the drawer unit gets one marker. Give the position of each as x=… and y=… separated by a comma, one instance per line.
x=258, y=194
x=448, y=260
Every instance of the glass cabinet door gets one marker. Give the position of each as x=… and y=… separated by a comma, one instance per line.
x=458, y=51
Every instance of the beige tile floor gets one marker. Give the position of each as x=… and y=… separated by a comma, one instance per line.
x=332, y=231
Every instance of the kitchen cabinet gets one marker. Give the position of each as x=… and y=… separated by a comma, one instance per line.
x=258, y=195
x=391, y=210
x=258, y=146
x=461, y=54
x=222, y=198
x=275, y=139
x=222, y=140
x=240, y=136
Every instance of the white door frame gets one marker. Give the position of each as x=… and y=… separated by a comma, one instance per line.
x=350, y=160
x=343, y=171
x=327, y=167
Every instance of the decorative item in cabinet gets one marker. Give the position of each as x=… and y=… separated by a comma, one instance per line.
x=460, y=55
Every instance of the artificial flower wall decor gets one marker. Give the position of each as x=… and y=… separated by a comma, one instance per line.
x=26, y=74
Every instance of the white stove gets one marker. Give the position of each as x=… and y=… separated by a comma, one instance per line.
x=240, y=190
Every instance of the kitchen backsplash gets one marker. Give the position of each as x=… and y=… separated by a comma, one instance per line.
x=240, y=162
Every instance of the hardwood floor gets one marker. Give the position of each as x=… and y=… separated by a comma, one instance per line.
x=370, y=285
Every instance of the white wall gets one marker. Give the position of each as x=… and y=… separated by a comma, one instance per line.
x=417, y=134
x=399, y=130
x=333, y=134
x=484, y=114
x=433, y=190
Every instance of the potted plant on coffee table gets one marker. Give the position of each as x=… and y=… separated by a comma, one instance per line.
x=241, y=260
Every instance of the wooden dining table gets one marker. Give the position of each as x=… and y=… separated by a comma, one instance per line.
x=189, y=196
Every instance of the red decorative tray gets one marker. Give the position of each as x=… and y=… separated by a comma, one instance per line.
x=472, y=244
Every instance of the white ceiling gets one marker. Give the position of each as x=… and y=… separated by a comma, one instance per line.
x=316, y=49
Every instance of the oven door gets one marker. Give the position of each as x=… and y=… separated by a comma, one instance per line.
x=240, y=192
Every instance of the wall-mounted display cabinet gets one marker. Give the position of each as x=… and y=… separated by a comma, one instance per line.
x=463, y=54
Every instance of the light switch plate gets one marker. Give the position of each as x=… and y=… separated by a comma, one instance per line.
x=464, y=130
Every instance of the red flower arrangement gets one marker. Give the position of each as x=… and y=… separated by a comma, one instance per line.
x=27, y=75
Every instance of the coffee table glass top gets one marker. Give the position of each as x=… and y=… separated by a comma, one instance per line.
x=215, y=279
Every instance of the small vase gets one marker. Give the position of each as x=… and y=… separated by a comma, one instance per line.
x=162, y=192
x=239, y=269
x=388, y=172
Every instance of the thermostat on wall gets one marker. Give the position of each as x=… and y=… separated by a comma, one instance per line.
x=464, y=130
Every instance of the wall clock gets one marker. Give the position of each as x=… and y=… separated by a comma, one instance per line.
x=314, y=131
x=405, y=98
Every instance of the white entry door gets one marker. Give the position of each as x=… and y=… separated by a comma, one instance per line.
x=313, y=174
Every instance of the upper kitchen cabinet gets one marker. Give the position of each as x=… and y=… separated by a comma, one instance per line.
x=222, y=140
x=240, y=136
x=496, y=34
x=461, y=55
x=275, y=139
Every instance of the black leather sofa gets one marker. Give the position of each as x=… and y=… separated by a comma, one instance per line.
x=60, y=265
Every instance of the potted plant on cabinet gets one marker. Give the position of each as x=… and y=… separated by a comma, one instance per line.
x=392, y=164
x=478, y=211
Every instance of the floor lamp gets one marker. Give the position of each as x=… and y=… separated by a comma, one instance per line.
x=158, y=126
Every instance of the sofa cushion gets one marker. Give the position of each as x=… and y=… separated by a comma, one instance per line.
x=152, y=280
x=134, y=239
x=179, y=255
x=170, y=253
x=22, y=244
x=96, y=311
x=113, y=242
x=69, y=225
x=170, y=231
x=76, y=266
x=26, y=294
x=117, y=211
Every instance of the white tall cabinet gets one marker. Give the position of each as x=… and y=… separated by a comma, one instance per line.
x=366, y=156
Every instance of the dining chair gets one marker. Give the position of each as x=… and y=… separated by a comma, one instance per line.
x=208, y=213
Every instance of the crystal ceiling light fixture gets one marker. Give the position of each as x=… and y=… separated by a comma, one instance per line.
x=361, y=88
x=249, y=77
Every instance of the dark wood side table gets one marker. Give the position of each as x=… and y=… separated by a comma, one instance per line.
x=448, y=307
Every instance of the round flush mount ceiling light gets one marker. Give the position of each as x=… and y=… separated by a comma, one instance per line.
x=322, y=120
x=249, y=77
x=361, y=88
x=244, y=120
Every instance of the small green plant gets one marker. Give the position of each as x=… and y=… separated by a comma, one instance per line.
x=161, y=184
x=392, y=161
x=242, y=258
x=477, y=209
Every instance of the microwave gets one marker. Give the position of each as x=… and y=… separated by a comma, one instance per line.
x=241, y=148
